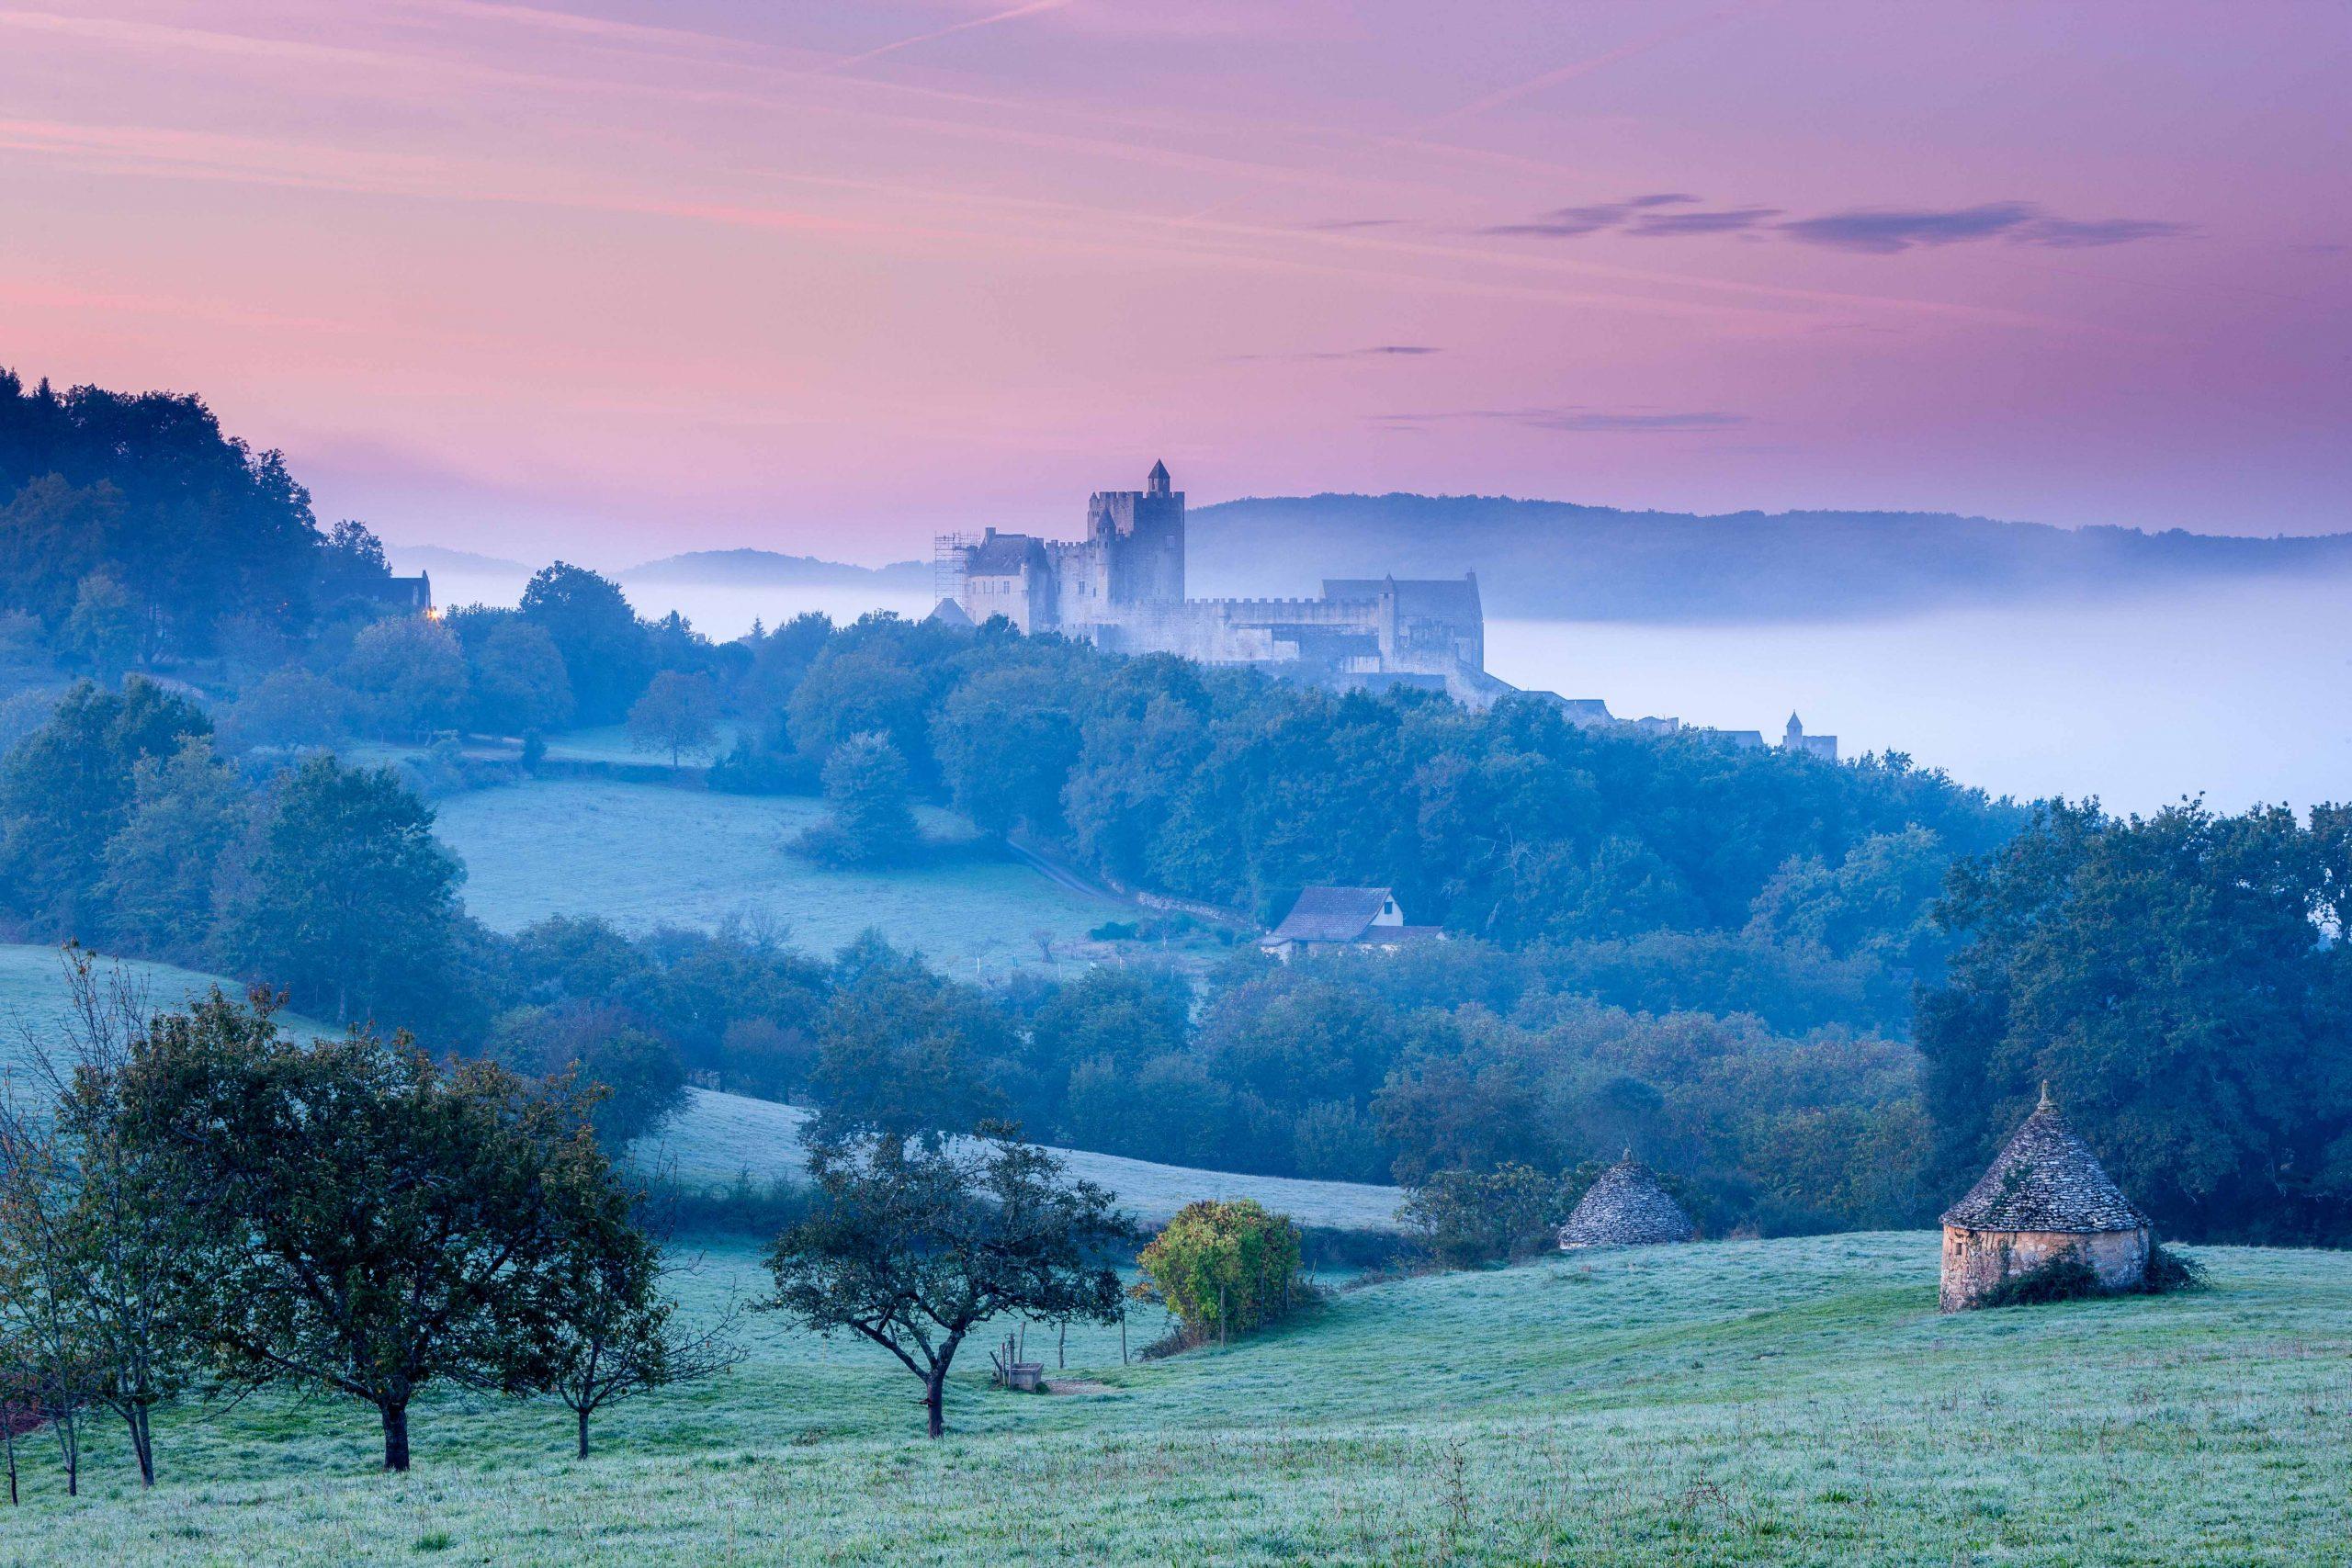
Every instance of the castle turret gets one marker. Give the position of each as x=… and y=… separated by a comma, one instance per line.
x=1796, y=739
x=1139, y=536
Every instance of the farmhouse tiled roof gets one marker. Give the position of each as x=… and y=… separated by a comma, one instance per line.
x=1627, y=1207
x=1331, y=914
x=2045, y=1178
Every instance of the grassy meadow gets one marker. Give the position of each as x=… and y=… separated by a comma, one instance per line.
x=718, y=1136
x=1774, y=1402
x=644, y=854
x=33, y=996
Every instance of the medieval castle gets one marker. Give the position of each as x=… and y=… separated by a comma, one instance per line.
x=1122, y=588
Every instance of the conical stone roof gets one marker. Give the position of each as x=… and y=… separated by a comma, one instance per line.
x=1627, y=1207
x=2045, y=1178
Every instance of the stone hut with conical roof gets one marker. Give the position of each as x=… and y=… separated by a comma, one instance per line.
x=1626, y=1207
x=2045, y=1196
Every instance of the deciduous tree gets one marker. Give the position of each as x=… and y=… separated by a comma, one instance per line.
x=372, y=1224
x=603, y=643
x=518, y=681
x=187, y=810
x=621, y=1335
x=110, y=1218
x=871, y=823
x=678, y=714
x=349, y=900
x=68, y=787
x=913, y=1245
x=2171, y=978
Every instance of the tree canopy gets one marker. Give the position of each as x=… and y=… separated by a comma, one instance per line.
x=373, y=1222
x=191, y=524
x=2182, y=983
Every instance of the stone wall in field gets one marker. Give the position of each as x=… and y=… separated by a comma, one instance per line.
x=1976, y=1260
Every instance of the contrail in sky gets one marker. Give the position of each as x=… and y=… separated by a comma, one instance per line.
x=1017, y=12
x=1569, y=73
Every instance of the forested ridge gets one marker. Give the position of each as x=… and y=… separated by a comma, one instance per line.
x=1539, y=559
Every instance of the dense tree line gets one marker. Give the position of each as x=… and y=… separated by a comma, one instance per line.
x=2183, y=984
x=1513, y=824
x=130, y=525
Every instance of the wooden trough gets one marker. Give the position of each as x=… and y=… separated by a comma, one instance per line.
x=1012, y=1371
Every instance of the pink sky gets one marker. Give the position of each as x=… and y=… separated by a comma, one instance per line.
x=620, y=279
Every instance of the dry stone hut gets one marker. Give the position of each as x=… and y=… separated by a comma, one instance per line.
x=1627, y=1207
x=2044, y=1197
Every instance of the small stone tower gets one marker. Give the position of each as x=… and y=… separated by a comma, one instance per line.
x=2044, y=1197
x=1627, y=1207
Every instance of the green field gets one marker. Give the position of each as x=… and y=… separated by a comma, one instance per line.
x=33, y=996
x=719, y=1136
x=1780, y=1402
x=648, y=854
x=611, y=743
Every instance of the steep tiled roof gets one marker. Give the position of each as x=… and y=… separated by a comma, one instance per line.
x=2045, y=1178
x=1627, y=1207
x=1331, y=914
x=1002, y=555
x=948, y=613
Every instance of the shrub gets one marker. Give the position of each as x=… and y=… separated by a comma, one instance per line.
x=744, y=1207
x=2070, y=1277
x=2170, y=1270
x=750, y=768
x=2065, y=1278
x=1224, y=1268
x=1466, y=1218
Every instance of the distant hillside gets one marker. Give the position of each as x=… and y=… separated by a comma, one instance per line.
x=439, y=557
x=767, y=567
x=1538, y=559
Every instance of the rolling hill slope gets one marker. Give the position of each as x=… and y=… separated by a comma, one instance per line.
x=718, y=1135
x=33, y=996
x=643, y=854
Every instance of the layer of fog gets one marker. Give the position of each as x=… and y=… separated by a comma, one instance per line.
x=2243, y=694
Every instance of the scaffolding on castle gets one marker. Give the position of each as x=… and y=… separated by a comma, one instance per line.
x=949, y=554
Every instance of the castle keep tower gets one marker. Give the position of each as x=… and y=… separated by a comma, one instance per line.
x=1139, y=535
